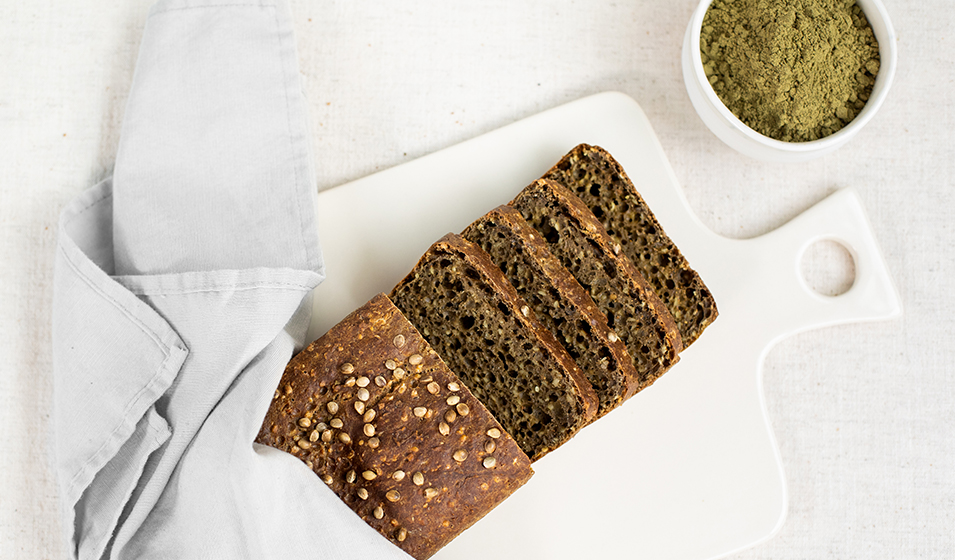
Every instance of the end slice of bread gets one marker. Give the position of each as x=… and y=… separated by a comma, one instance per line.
x=600, y=182
x=366, y=407
x=584, y=248
x=462, y=304
x=559, y=302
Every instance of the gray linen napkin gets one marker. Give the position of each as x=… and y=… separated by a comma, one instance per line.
x=181, y=290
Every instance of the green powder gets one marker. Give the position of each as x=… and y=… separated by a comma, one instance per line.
x=793, y=70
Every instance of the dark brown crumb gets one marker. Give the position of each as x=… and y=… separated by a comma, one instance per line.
x=559, y=302
x=599, y=181
x=462, y=304
x=584, y=248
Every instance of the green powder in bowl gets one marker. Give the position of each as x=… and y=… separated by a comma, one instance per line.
x=792, y=70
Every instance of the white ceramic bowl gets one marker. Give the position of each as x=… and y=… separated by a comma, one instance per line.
x=745, y=140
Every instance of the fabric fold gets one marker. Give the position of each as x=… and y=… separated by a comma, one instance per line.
x=181, y=291
x=91, y=312
x=103, y=501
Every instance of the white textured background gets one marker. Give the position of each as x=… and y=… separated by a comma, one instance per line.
x=864, y=414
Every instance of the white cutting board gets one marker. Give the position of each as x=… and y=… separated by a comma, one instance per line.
x=687, y=469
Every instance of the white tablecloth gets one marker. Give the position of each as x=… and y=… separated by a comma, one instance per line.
x=864, y=414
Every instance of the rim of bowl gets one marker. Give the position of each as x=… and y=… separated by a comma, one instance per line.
x=888, y=57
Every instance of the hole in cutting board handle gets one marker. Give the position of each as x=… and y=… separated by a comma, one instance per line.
x=828, y=268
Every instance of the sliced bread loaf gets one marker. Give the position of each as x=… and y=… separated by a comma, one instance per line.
x=583, y=247
x=559, y=302
x=462, y=304
x=600, y=182
x=374, y=411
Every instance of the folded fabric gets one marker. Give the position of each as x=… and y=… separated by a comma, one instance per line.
x=181, y=290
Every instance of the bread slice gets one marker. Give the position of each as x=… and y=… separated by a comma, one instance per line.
x=375, y=412
x=462, y=304
x=559, y=302
x=583, y=247
x=600, y=182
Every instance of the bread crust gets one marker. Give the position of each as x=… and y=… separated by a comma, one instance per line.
x=453, y=470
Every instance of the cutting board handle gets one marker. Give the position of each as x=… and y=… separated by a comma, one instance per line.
x=840, y=218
